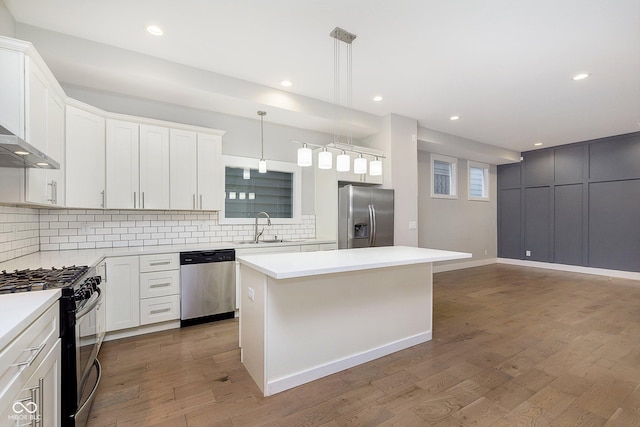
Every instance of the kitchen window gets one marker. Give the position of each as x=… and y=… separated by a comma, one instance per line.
x=248, y=192
x=444, y=177
x=478, y=181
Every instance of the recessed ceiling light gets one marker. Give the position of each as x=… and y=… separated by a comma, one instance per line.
x=581, y=76
x=286, y=83
x=377, y=98
x=454, y=118
x=154, y=30
x=42, y=164
x=537, y=144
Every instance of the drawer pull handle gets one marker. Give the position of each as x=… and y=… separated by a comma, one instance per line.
x=33, y=356
x=164, y=310
x=160, y=263
x=160, y=285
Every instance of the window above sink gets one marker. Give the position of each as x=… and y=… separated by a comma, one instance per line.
x=247, y=192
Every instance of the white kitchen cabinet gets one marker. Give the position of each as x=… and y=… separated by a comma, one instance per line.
x=41, y=394
x=210, y=172
x=195, y=170
x=85, y=158
x=32, y=362
x=123, y=165
x=123, y=295
x=47, y=186
x=154, y=167
x=159, y=288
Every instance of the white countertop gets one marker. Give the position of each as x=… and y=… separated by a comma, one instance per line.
x=19, y=310
x=91, y=257
x=301, y=264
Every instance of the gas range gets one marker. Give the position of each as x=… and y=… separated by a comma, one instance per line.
x=40, y=279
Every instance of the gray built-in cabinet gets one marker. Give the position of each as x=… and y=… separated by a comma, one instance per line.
x=576, y=204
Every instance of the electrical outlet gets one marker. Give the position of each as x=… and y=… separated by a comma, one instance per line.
x=486, y=251
x=251, y=294
x=14, y=232
x=527, y=253
x=84, y=229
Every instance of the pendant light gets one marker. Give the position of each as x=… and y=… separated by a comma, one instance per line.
x=262, y=164
x=375, y=167
x=305, y=156
x=343, y=162
x=360, y=165
x=325, y=159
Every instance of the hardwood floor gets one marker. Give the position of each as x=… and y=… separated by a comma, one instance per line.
x=512, y=346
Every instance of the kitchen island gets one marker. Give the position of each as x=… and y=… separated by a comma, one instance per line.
x=304, y=316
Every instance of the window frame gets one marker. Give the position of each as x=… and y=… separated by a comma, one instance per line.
x=487, y=180
x=274, y=165
x=453, y=184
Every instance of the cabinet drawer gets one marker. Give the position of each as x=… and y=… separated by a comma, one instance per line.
x=159, y=262
x=19, y=359
x=160, y=309
x=159, y=284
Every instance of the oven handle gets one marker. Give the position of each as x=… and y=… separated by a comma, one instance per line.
x=91, y=306
x=95, y=387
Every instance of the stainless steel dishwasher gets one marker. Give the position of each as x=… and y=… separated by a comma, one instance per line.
x=208, y=286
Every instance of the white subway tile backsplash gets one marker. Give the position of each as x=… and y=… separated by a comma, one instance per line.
x=128, y=228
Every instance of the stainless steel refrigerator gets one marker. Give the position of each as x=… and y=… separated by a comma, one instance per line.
x=365, y=217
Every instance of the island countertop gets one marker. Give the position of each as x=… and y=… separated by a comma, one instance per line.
x=304, y=264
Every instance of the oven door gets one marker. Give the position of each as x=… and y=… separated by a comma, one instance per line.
x=87, y=342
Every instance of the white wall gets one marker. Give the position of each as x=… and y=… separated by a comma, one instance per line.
x=459, y=224
x=7, y=23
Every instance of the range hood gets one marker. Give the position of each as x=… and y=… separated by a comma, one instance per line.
x=17, y=153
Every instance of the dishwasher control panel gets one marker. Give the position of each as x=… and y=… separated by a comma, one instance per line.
x=203, y=257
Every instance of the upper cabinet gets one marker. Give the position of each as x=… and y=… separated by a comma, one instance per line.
x=32, y=107
x=137, y=166
x=195, y=170
x=85, y=183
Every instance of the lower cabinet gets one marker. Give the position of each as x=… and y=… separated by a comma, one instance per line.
x=159, y=288
x=39, y=401
x=123, y=293
x=142, y=290
x=30, y=374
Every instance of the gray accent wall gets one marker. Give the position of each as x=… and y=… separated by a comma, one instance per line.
x=7, y=23
x=577, y=204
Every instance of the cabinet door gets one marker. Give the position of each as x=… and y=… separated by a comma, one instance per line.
x=85, y=160
x=12, y=85
x=123, y=295
x=122, y=178
x=46, y=186
x=36, y=107
x=210, y=172
x=154, y=167
x=183, y=173
x=40, y=398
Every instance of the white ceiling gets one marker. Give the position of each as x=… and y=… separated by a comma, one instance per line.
x=505, y=67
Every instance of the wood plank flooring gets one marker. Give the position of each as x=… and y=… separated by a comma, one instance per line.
x=512, y=346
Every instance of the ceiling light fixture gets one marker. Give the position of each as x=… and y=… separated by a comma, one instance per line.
x=581, y=76
x=262, y=164
x=154, y=30
x=286, y=83
x=538, y=144
x=454, y=118
x=325, y=156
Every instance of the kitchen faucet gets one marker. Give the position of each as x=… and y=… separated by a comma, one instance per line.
x=257, y=235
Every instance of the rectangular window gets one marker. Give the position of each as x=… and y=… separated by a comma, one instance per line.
x=478, y=181
x=249, y=192
x=443, y=177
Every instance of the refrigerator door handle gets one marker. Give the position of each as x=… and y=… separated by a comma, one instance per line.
x=372, y=221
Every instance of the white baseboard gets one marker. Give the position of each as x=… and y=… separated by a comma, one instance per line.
x=572, y=268
x=461, y=265
x=299, y=378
